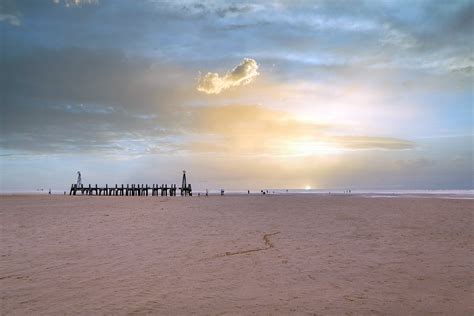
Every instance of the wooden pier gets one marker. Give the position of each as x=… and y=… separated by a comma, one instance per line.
x=131, y=190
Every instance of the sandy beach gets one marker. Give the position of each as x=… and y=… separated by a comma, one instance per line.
x=264, y=255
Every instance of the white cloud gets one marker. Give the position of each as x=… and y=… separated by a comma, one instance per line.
x=241, y=75
x=10, y=18
x=75, y=2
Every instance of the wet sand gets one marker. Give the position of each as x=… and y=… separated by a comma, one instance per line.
x=278, y=255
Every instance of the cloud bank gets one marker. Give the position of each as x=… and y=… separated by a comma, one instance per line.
x=241, y=75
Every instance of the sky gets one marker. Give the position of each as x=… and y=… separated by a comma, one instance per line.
x=242, y=95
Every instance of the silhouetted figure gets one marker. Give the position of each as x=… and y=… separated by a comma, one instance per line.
x=207, y=192
x=222, y=191
x=49, y=192
x=248, y=191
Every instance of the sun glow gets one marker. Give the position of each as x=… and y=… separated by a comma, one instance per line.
x=307, y=187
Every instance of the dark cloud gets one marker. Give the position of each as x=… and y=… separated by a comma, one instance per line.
x=80, y=100
x=103, y=77
x=403, y=34
x=9, y=13
x=221, y=10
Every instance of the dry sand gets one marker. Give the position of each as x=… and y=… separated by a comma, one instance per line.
x=301, y=254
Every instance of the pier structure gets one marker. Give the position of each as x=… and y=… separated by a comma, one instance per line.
x=185, y=188
x=125, y=190
x=133, y=189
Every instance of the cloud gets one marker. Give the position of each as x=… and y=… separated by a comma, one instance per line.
x=369, y=142
x=415, y=163
x=79, y=100
x=9, y=13
x=397, y=38
x=10, y=18
x=221, y=10
x=249, y=130
x=76, y=3
x=241, y=75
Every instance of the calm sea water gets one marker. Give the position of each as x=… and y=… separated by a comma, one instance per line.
x=373, y=192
